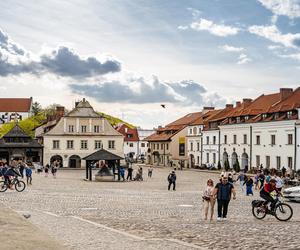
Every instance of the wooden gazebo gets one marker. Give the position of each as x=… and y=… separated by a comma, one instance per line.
x=112, y=161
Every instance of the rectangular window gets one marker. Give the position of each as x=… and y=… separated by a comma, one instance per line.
x=290, y=162
x=214, y=158
x=207, y=157
x=198, y=159
x=83, y=144
x=192, y=146
x=167, y=146
x=214, y=140
x=290, y=139
x=191, y=131
x=71, y=128
x=96, y=129
x=83, y=129
x=111, y=144
x=258, y=160
x=157, y=146
x=234, y=139
x=207, y=140
x=278, y=162
x=98, y=144
x=70, y=144
x=142, y=145
x=55, y=144
x=273, y=141
x=199, y=130
x=258, y=140
x=245, y=139
x=268, y=161
x=131, y=145
x=225, y=139
x=162, y=146
x=198, y=146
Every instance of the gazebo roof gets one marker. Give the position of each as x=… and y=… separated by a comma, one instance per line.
x=16, y=131
x=102, y=154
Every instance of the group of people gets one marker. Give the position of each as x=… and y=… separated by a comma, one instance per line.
x=53, y=167
x=268, y=182
x=16, y=169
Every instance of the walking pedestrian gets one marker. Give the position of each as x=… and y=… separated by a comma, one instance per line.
x=279, y=182
x=21, y=166
x=172, y=180
x=223, y=192
x=242, y=177
x=249, y=186
x=129, y=172
x=261, y=179
x=283, y=171
x=47, y=170
x=28, y=172
x=150, y=171
x=208, y=200
x=122, y=173
x=256, y=180
x=54, y=169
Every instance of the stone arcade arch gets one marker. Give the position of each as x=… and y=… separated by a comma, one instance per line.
x=74, y=161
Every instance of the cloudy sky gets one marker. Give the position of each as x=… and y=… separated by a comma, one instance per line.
x=129, y=56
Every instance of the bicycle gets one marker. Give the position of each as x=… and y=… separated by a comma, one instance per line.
x=281, y=209
x=19, y=185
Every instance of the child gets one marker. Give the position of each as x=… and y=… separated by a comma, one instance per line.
x=28, y=172
x=150, y=170
x=249, y=185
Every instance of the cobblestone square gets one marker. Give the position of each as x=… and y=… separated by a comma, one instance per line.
x=144, y=215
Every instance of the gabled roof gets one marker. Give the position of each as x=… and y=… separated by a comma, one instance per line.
x=205, y=117
x=102, y=154
x=83, y=109
x=16, y=131
x=290, y=103
x=15, y=104
x=166, y=133
x=186, y=120
x=125, y=130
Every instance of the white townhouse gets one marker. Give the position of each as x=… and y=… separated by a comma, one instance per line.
x=79, y=133
x=143, y=145
x=195, y=140
x=263, y=131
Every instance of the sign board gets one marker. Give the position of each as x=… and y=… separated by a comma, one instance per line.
x=181, y=146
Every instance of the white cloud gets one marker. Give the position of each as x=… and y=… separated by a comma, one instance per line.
x=274, y=47
x=273, y=34
x=295, y=56
x=229, y=48
x=182, y=27
x=243, y=59
x=213, y=28
x=289, y=8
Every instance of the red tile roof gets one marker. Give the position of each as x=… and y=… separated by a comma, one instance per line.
x=130, y=134
x=290, y=103
x=167, y=132
x=15, y=104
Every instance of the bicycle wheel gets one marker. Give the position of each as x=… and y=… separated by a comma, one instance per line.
x=20, y=186
x=283, y=212
x=259, y=212
x=3, y=186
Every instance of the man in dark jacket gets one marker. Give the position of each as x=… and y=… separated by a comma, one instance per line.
x=172, y=180
x=223, y=191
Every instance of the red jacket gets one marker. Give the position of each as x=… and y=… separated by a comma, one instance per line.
x=268, y=188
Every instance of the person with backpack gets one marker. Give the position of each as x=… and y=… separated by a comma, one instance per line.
x=172, y=180
x=249, y=186
x=28, y=172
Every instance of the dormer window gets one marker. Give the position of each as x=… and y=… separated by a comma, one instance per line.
x=238, y=119
x=276, y=115
x=289, y=114
x=246, y=118
x=264, y=116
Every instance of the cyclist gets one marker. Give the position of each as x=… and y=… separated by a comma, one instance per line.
x=266, y=191
x=10, y=172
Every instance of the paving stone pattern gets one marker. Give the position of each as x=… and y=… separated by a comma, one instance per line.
x=144, y=215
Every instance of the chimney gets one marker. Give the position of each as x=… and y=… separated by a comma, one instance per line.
x=60, y=111
x=246, y=102
x=238, y=104
x=229, y=106
x=76, y=103
x=285, y=93
x=206, y=109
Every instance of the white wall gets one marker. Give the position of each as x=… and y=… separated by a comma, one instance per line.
x=210, y=149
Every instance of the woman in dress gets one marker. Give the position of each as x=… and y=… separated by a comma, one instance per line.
x=208, y=200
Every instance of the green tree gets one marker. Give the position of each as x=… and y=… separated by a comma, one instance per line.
x=236, y=166
x=226, y=165
x=36, y=108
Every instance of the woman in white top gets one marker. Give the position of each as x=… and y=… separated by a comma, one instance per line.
x=208, y=199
